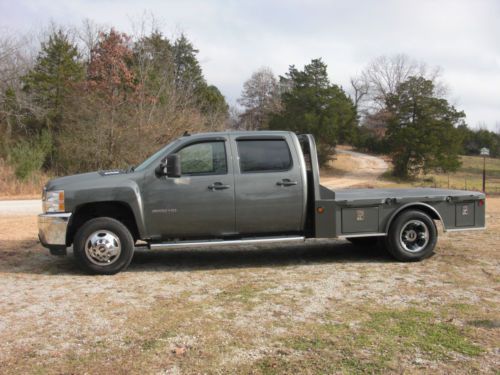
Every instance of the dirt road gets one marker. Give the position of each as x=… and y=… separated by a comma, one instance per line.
x=364, y=170
x=21, y=207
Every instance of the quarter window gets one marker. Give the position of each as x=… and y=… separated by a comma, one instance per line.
x=204, y=158
x=264, y=155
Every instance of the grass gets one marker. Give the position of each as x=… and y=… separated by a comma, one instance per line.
x=485, y=323
x=468, y=177
x=13, y=188
x=371, y=346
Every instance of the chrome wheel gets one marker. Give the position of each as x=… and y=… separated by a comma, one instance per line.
x=103, y=248
x=414, y=236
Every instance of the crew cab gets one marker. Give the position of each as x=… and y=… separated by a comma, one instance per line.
x=224, y=188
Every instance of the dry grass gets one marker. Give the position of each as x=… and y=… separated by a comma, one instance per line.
x=324, y=307
x=468, y=177
x=13, y=188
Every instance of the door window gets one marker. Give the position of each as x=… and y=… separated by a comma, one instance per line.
x=264, y=155
x=204, y=158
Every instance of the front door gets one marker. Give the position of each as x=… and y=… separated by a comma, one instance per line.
x=200, y=203
x=269, y=186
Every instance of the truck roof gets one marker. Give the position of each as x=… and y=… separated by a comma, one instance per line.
x=240, y=132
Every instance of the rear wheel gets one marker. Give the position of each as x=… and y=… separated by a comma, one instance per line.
x=412, y=236
x=103, y=246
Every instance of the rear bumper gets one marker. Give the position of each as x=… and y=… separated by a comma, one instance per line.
x=52, y=229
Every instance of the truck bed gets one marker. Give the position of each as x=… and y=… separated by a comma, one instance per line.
x=369, y=212
x=406, y=195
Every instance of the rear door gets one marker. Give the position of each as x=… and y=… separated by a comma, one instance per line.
x=269, y=186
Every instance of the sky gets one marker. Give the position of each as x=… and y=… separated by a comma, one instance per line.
x=235, y=38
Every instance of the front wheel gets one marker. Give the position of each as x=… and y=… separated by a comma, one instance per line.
x=103, y=246
x=412, y=236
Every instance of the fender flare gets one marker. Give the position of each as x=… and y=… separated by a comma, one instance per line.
x=427, y=208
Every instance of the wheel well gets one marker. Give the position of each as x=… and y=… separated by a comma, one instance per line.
x=116, y=210
x=415, y=207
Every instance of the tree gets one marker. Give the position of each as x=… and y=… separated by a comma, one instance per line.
x=260, y=98
x=154, y=64
x=371, y=90
x=475, y=139
x=313, y=105
x=53, y=78
x=188, y=73
x=421, y=129
x=190, y=81
x=110, y=104
x=112, y=94
x=109, y=72
x=384, y=74
x=52, y=83
x=213, y=106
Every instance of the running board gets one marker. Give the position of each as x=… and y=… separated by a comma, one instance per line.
x=242, y=241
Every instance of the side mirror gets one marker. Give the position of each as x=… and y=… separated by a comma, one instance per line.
x=170, y=167
x=174, y=165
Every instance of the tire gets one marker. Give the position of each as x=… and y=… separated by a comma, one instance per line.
x=412, y=236
x=103, y=246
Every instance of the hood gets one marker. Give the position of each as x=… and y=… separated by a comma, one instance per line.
x=85, y=179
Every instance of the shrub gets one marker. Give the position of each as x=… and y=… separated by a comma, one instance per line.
x=28, y=156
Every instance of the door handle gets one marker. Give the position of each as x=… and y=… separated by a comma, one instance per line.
x=218, y=186
x=286, y=182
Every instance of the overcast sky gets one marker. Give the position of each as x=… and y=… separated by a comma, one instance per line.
x=237, y=37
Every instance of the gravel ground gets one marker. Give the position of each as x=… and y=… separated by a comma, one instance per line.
x=252, y=309
x=319, y=307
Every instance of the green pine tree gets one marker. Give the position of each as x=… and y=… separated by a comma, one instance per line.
x=311, y=104
x=53, y=78
x=421, y=130
x=188, y=73
x=52, y=84
x=154, y=65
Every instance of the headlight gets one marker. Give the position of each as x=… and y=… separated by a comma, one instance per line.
x=53, y=201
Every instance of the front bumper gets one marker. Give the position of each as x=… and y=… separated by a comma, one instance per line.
x=52, y=229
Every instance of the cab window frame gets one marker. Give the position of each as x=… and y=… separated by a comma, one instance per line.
x=185, y=145
x=265, y=138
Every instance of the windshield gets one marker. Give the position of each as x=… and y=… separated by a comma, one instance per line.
x=146, y=163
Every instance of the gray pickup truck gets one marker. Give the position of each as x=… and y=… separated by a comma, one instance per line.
x=236, y=188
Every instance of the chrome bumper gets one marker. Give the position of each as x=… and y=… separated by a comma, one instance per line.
x=52, y=228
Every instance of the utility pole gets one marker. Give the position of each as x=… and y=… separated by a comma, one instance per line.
x=484, y=152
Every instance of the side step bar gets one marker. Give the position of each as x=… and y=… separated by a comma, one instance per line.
x=242, y=241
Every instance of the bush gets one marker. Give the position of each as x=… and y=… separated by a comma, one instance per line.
x=29, y=156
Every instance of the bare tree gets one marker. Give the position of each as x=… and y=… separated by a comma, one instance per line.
x=15, y=60
x=383, y=75
x=88, y=36
x=360, y=90
x=260, y=98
